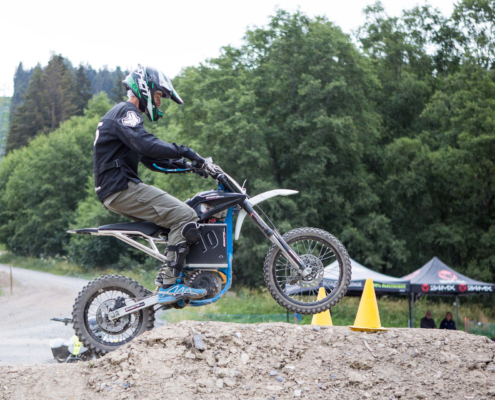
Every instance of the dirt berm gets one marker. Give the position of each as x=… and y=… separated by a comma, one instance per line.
x=213, y=360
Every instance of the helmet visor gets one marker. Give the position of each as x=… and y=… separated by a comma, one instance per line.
x=165, y=83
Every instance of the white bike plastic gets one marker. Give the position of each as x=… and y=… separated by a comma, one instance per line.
x=256, y=200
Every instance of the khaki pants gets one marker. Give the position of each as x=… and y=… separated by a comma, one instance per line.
x=141, y=202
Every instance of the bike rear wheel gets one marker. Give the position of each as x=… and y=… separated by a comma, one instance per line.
x=331, y=269
x=90, y=319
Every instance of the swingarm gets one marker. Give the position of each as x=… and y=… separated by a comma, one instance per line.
x=137, y=304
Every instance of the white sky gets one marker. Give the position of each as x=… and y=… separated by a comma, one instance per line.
x=167, y=34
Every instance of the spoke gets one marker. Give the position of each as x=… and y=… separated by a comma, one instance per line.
x=326, y=252
x=312, y=249
x=321, y=259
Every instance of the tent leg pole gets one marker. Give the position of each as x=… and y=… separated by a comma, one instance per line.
x=457, y=312
x=409, y=301
x=412, y=313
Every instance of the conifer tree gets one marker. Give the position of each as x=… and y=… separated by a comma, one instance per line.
x=21, y=81
x=32, y=116
x=118, y=93
x=83, y=90
x=49, y=100
x=60, y=96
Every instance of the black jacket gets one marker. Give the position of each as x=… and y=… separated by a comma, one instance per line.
x=448, y=324
x=427, y=323
x=121, y=143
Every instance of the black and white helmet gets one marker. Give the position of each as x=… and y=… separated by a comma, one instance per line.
x=143, y=82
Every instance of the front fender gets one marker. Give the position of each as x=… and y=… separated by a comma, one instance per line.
x=256, y=200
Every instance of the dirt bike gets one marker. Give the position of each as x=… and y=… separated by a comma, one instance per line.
x=123, y=309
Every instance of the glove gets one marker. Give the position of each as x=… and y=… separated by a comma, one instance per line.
x=196, y=160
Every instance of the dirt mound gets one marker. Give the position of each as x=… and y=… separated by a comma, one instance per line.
x=213, y=360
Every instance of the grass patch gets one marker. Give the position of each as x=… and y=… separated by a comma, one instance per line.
x=257, y=305
x=246, y=305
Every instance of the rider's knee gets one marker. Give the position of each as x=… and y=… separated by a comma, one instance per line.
x=190, y=215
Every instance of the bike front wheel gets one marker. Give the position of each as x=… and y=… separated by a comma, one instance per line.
x=330, y=269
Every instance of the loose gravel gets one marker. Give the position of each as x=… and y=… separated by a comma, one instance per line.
x=214, y=360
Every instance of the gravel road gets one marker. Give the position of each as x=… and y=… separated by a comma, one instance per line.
x=25, y=327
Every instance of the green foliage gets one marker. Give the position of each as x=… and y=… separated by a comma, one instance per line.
x=53, y=95
x=5, y=103
x=41, y=185
x=289, y=109
x=48, y=101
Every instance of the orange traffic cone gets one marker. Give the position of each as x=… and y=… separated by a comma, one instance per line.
x=324, y=318
x=368, y=317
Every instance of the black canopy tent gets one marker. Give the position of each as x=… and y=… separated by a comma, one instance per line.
x=438, y=279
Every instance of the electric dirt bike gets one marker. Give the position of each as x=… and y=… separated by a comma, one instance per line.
x=297, y=265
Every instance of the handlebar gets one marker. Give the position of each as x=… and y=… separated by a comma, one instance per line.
x=209, y=169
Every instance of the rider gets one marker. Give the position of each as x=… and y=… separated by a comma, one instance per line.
x=121, y=143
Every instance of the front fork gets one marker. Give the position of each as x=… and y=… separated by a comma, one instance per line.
x=277, y=240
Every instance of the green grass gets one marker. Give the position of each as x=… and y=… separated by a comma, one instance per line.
x=256, y=305
x=394, y=312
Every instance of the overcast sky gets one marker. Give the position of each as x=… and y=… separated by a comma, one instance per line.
x=167, y=34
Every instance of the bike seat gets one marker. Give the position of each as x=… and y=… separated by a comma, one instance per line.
x=145, y=227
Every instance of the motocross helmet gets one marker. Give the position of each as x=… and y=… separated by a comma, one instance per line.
x=144, y=82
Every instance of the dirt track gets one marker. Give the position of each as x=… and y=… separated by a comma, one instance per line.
x=25, y=327
x=267, y=361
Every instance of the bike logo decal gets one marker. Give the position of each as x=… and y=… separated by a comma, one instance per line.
x=462, y=288
x=134, y=306
x=442, y=288
x=480, y=288
x=224, y=239
x=131, y=119
x=447, y=275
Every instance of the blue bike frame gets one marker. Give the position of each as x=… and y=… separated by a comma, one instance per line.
x=226, y=271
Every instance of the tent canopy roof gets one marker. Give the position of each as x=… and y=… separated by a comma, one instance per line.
x=435, y=272
x=360, y=272
x=437, y=278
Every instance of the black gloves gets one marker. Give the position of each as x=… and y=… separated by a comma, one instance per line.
x=196, y=160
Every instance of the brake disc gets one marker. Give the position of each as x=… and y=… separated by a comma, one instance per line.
x=111, y=327
x=315, y=277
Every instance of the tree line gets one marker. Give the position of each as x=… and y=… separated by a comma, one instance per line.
x=389, y=137
x=45, y=97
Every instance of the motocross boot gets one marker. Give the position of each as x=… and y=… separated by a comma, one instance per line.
x=176, y=257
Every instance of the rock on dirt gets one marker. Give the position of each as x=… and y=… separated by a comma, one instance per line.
x=330, y=363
